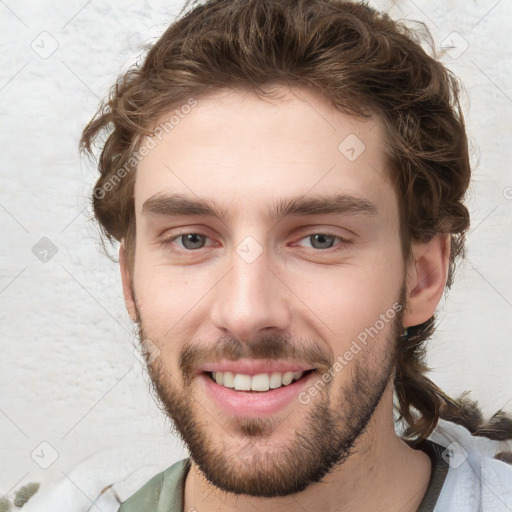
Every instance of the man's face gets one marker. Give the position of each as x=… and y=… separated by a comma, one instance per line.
x=269, y=288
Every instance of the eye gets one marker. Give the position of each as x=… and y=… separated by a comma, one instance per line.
x=324, y=241
x=189, y=242
x=192, y=240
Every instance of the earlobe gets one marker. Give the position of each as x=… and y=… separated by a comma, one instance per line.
x=426, y=279
x=129, y=300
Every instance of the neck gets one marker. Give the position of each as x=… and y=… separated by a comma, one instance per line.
x=383, y=473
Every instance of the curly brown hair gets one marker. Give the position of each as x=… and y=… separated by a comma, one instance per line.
x=365, y=64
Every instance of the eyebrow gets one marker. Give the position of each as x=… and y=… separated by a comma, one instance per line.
x=177, y=204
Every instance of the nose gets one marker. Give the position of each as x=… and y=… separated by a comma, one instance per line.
x=250, y=299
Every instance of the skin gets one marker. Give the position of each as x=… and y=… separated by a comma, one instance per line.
x=244, y=154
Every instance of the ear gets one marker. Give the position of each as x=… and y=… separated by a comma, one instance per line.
x=426, y=278
x=129, y=300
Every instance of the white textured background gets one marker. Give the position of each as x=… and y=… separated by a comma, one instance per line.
x=68, y=373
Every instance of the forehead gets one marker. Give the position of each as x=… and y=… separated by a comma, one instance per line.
x=233, y=147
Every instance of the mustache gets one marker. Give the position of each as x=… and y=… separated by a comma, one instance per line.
x=268, y=347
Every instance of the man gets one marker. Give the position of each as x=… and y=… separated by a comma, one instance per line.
x=285, y=179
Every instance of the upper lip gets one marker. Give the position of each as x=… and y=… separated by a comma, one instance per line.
x=254, y=367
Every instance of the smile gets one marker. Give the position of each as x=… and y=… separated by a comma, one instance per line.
x=259, y=395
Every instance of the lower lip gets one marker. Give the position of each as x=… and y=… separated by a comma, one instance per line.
x=254, y=403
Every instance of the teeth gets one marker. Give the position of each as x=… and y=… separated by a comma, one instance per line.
x=260, y=382
x=287, y=378
x=242, y=382
x=228, y=379
x=276, y=380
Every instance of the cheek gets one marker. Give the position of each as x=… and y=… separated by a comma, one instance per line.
x=349, y=298
x=169, y=299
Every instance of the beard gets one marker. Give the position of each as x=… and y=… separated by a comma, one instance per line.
x=248, y=462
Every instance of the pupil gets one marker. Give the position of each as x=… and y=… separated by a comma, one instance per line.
x=323, y=238
x=194, y=238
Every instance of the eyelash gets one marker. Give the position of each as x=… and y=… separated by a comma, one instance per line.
x=167, y=243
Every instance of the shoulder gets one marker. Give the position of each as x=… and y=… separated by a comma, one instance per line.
x=476, y=481
x=167, y=483
x=479, y=484
x=147, y=497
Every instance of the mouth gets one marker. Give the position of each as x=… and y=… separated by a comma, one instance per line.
x=254, y=396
